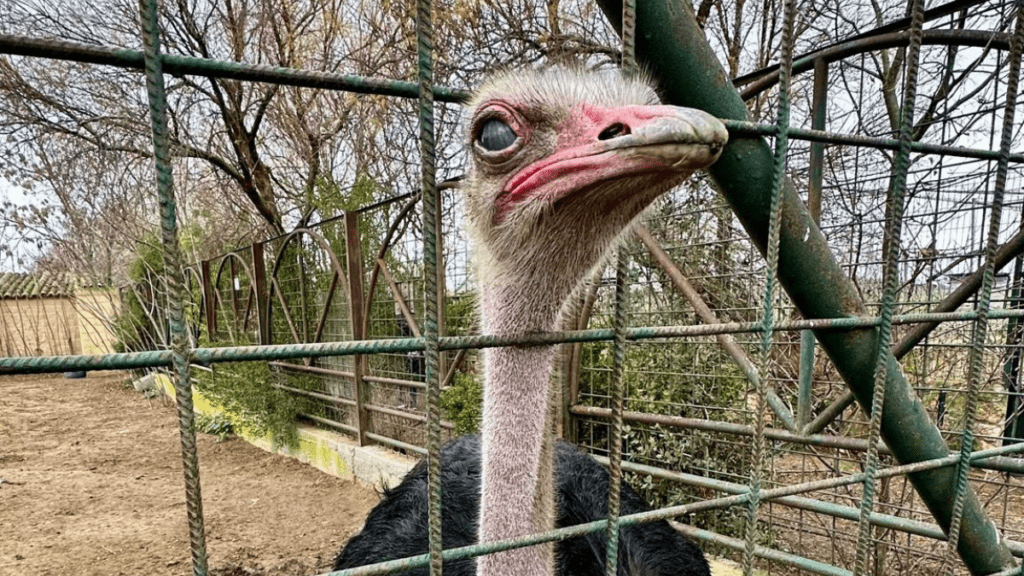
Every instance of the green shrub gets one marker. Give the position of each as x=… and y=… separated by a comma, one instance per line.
x=215, y=425
x=462, y=403
x=246, y=394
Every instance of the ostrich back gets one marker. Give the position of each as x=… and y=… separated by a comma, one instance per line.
x=397, y=526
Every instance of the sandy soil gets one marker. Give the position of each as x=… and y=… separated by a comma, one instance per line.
x=91, y=484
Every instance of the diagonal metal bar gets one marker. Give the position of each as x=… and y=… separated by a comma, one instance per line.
x=708, y=316
x=689, y=74
x=840, y=50
x=410, y=318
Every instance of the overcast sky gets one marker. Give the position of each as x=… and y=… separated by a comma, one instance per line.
x=15, y=194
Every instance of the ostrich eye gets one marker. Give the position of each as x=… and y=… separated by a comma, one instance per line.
x=495, y=135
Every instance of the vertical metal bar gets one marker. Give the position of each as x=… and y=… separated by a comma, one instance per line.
x=617, y=405
x=818, y=120
x=431, y=203
x=688, y=74
x=209, y=301
x=304, y=312
x=354, y=264
x=759, y=450
x=814, y=192
x=442, y=287
x=629, y=69
x=806, y=381
x=232, y=267
x=175, y=284
x=975, y=358
x=890, y=278
x=259, y=273
x=1013, y=428
x=576, y=361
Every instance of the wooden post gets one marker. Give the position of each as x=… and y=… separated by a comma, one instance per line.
x=354, y=263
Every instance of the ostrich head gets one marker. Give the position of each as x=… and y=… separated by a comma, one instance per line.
x=561, y=163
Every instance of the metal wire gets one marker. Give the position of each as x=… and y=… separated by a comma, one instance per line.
x=975, y=356
x=175, y=282
x=758, y=452
x=890, y=280
x=429, y=191
x=629, y=70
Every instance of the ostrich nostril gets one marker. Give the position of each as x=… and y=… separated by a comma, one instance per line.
x=617, y=129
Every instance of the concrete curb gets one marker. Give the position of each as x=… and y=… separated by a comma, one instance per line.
x=327, y=451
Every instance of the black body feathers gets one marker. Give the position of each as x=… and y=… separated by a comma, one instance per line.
x=397, y=526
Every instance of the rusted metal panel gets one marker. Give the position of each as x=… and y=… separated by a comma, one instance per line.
x=354, y=264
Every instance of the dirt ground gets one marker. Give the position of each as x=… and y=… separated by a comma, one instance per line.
x=91, y=484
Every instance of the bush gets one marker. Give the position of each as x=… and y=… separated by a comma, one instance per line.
x=250, y=401
x=215, y=425
x=462, y=403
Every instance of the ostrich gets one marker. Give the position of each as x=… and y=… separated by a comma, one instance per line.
x=562, y=162
x=397, y=526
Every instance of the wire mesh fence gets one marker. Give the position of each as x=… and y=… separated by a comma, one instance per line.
x=725, y=393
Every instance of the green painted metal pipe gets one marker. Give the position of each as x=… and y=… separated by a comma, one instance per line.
x=205, y=356
x=673, y=48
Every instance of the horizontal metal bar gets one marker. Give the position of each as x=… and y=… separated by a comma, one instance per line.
x=799, y=502
x=788, y=494
x=179, y=65
x=727, y=428
x=738, y=127
x=763, y=552
x=581, y=529
x=176, y=64
x=999, y=463
x=313, y=369
x=407, y=415
x=325, y=397
x=396, y=443
x=395, y=381
x=42, y=364
x=331, y=423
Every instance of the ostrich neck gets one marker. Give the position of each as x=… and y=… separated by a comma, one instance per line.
x=517, y=492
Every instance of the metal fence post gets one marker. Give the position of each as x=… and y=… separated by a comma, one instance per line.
x=814, y=187
x=354, y=264
x=259, y=273
x=180, y=347
x=209, y=301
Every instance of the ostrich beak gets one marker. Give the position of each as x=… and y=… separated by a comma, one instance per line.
x=603, y=145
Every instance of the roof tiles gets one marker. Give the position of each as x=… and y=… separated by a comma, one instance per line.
x=43, y=285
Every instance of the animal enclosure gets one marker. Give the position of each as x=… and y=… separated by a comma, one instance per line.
x=887, y=206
